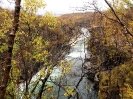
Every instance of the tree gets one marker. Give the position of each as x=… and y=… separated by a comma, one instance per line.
x=111, y=39
x=8, y=59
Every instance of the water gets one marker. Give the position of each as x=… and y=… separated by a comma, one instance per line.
x=77, y=55
x=75, y=78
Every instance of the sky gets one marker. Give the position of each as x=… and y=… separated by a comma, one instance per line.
x=63, y=6
x=68, y=6
x=58, y=7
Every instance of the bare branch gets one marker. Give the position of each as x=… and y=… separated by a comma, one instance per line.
x=119, y=20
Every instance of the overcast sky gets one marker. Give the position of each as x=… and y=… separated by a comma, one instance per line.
x=59, y=6
x=65, y=6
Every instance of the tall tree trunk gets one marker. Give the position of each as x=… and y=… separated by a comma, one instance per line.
x=11, y=38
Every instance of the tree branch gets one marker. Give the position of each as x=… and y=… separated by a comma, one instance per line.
x=119, y=20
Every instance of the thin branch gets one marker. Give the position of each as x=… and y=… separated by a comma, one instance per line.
x=119, y=20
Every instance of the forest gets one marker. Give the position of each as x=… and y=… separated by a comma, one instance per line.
x=82, y=55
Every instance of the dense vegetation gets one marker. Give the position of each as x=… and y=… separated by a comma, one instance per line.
x=33, y=44
x=40, y=42
x=112, y=50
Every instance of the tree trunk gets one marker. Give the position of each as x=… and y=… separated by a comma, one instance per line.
x=11, y=38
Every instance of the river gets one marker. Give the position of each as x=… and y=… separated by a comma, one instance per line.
x=76, y=78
